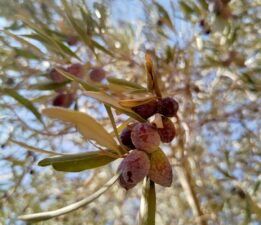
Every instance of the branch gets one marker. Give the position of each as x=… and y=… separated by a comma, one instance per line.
x=70, y=208
x=187, y=185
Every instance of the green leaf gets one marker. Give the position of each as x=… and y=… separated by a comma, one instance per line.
x=24, y=42
x=106, y=99
x=56, y=33
x=87, y=19
x=53, y=44
x=23, y=101
x=126, y=83
x=256, y=186
x=14, y=161
x=100, y=47
x=25, y=53
x=79, y=28
x=66, y=49
x=186, y=9
x=164, y=14
x=14, y=26
x=51, y=41
x=86, y=125
x=70, y=208
x=84, y=84
x=78, y=162
x=34, y=149
x=129, y=103
x=49, y=85
x=120, y=89
x=203, y=4
x=196, y=9
x=148, y=203
x=254, y=207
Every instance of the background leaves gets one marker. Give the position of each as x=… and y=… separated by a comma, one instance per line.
x=209, y=63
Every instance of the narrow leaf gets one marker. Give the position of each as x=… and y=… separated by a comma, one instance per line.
x=165, y=15
x=120, y=89
x=85, y=85
x=152, y=77
x=50, y=41
x=78, y=162
x=25, y=53
x=23, y=101
x=203, y=4
x=106, y=99
x=86, y=125
x=125, y=83
x=185, y=8
x=255, y=208
x=148, y=203
x=48, y=85
x=100, y=47
x=135, y=102
x=79, y=28
x=24, y=42
x=70, y=208
x=34, y=149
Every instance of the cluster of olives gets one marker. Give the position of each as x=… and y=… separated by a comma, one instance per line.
x=63, y=98
x=143, y=140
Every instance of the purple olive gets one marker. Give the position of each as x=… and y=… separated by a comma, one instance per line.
x=146, y=110
x=168, y=107
x=97, y=74
x=145, y=137
x=72, y=40
x=75, y=69
x=125, y=137
x=160, y=169
x=168, y=132
x=63, y=100
x=133, y=168
x=56, y=76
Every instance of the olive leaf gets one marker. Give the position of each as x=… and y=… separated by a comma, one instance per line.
x=255, y=208
x=50, y=41
x=23, y=101
x=116, y=85
x=106, y=99
x=85, y=124
x=164, y=14
x=125, y=83
x=25, y=43
x=129, y=103
x=78, y=162
x=34, y=149
x=49, y=85
x=186, y=9
x=84, y=84
x=152, y=77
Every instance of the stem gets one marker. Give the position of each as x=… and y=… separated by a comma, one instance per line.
x=110, y=114
x=187, y=185
x=70, y=208
x=147, y=212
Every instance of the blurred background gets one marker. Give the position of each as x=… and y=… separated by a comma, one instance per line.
x=207, y=55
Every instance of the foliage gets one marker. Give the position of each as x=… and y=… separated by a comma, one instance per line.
x=204, y=53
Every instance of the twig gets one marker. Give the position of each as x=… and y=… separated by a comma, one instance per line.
x=70, y=208
x=187, y=185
